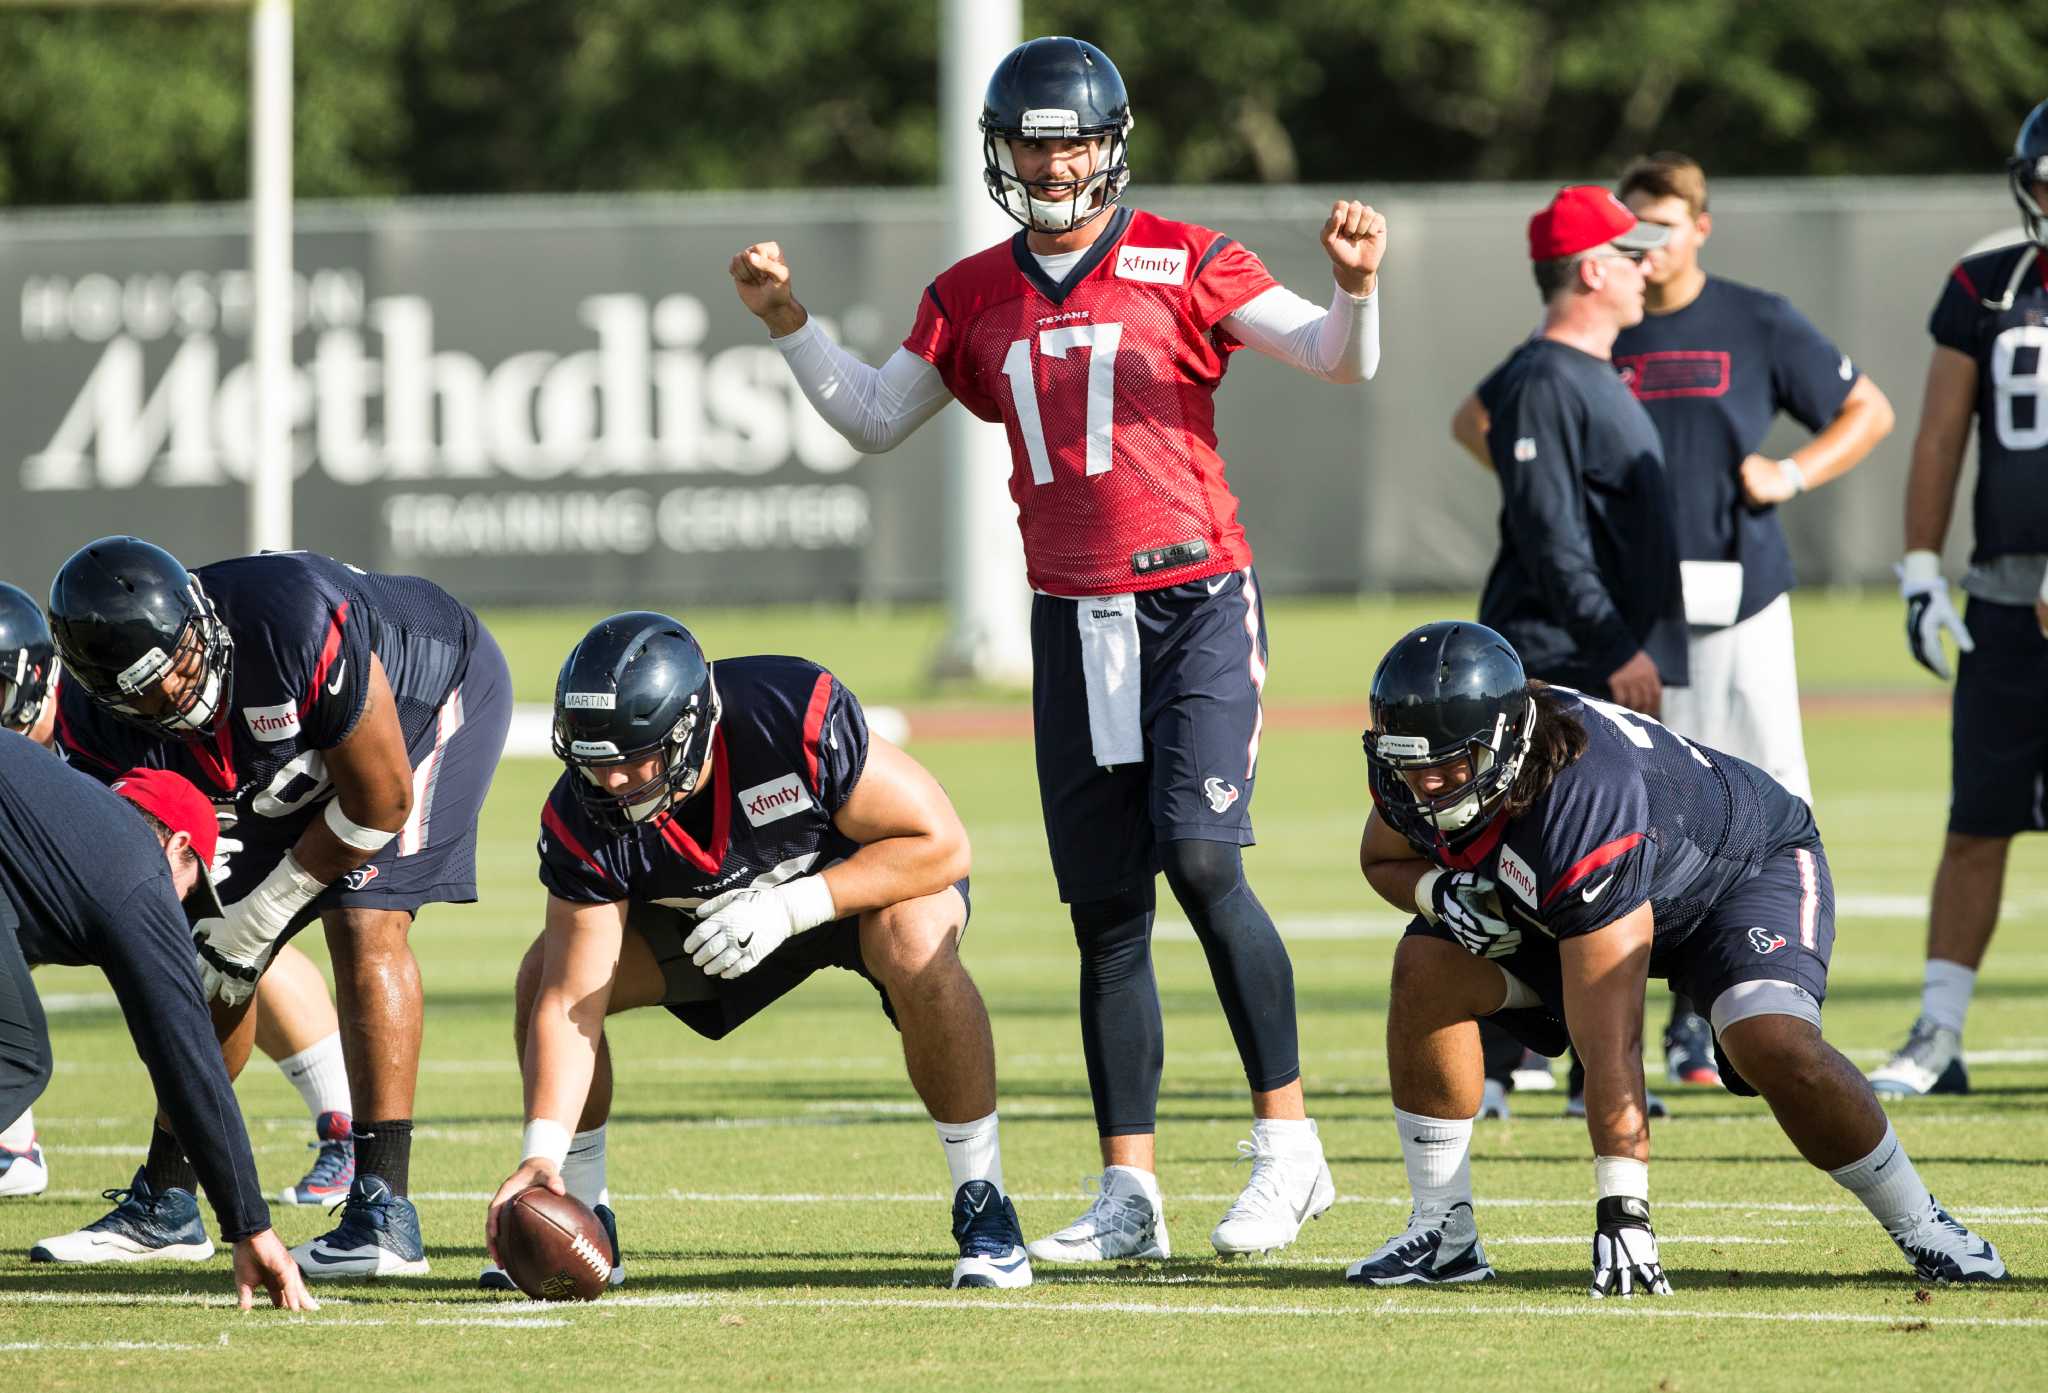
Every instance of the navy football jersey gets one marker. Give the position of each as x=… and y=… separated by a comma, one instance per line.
x=2010, y=347
x=304, y=627
x=790, y=746
x=1643, y=814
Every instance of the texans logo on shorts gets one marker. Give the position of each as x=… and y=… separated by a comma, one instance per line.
x=359, y=877
x=1764, y=941
x=1220, y=794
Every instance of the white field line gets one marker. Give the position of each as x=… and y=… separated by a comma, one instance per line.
x=88, y=1346
x=498, y=1322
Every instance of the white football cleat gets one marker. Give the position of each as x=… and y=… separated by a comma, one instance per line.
x=1931, y=1061
x=1127, y=1220
x=23, y=1173
x=991, y=1244
x=1942, y=1250
x=1434, y=1249
x=144, y=1226
x=1290, y=1184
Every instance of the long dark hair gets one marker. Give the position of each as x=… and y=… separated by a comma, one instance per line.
x=1556, y=740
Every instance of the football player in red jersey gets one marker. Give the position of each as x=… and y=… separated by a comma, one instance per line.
x=1097, y=336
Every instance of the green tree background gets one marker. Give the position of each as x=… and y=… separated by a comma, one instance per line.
x=512, y=96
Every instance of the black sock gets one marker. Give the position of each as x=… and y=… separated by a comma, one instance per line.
x=167, y=1168
x=384, y=1149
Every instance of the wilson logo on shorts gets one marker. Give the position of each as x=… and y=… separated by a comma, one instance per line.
x=1765, y=942
x=1219, y=794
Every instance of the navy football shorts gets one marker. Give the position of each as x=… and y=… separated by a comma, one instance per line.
x=1201, y=662
x=1998, y=731
x=433, y=858
x=714, y=1007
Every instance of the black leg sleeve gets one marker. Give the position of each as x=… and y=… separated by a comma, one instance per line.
x=1122, y=1035
x=1253, y=975
x=24, y=1034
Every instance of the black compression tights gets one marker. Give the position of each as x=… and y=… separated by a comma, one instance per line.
x=1121, y=1032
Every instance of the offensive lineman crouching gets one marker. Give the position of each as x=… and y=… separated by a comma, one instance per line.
x=1560, y=850
x=709, y=846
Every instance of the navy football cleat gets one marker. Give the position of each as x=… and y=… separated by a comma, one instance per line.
x=1942, y=1250
x=144, y=1226
x=496, y=1278
x=334, y=1169
x=378, y=1236
x=1689, y=1052
x=991, y=1242
x=1931, y=1061
x=1432, y=1250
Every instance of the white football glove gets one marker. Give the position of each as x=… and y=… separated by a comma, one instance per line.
x=1625, y=1251
x=742, y=927
x=223, y=976
x=235, y=949
x=1458, y=901
x=1928, y=612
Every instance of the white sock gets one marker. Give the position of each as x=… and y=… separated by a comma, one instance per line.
x=20, y=1133
x=583, y=1168
x=1887, y=1184
x=1438, y=1154
x=974, y=1150
x=320, y=1075
x=1289, y=1133
x=1945, y=993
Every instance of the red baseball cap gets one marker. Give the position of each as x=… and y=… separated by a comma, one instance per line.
x=173, y=800
x=1585, y=216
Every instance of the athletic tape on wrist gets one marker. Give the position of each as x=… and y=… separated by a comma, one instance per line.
x=1621, y=1175
x=1425, y=894
x=1794, y=475
x=809, y=902
x=545, y=1140
x=354, y=834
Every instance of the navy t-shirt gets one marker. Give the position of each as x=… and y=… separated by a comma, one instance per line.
x=2010, y=347
x=1713, y=376
x=83, y=880
x=1588, y=567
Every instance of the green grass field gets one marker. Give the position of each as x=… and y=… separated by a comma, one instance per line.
x=783, y=1201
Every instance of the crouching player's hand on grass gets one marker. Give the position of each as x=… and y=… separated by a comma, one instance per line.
x=261, y=1261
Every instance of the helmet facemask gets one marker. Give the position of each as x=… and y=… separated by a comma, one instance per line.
x=1493, y=759
x=684, y=752
x=1087, y=197
x=25, y=690
x=203, y=639
x=2023, y=172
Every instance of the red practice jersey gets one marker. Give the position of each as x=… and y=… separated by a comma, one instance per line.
x=1106, y=384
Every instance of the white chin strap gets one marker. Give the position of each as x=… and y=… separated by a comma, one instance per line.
x=200, y=714
x=1465, y=811
x=647, y=809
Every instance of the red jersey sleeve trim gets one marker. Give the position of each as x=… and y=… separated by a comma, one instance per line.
x=1480, y=847
x=551, y=823
x=1591, y=862
x=1963, y=280
x=328, y=650
x=814, y=725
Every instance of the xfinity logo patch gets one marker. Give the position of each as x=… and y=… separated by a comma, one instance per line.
x=1159, y=265
x=778, y=798
x=1516, y=875
x=272, y=723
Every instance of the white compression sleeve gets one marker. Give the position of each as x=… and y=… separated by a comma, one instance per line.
x=874, y=408
x=1338, y=344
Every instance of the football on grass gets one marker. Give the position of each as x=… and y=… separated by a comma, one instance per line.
x=554, y=1248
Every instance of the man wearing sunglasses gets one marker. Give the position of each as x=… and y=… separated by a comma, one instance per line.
x=1586, y=584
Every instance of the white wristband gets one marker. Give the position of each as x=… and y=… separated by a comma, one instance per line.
x=354, y=834
x=1789, y=467
x=1425, y=894
x=545, y=1141
x=809, y=902
x=1621, y=1175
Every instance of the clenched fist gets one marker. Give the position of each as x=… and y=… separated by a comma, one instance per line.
x=1355, y=236
x=761, y=276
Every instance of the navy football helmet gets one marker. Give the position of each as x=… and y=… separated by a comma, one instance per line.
x=126, y=615
x=1448, y=691
x=28, y=658
x=636, y=685
x=1056, y=89
x=2028, y=167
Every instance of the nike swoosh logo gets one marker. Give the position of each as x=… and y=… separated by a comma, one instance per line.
x=1597, y=891
x=335, y=686
x=1885, y=1162
x=1009, y=1266
x=317, y=1256
x=1217, y=588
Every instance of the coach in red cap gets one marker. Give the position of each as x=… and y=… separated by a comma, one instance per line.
x=85, y=880
x=1586, y=582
